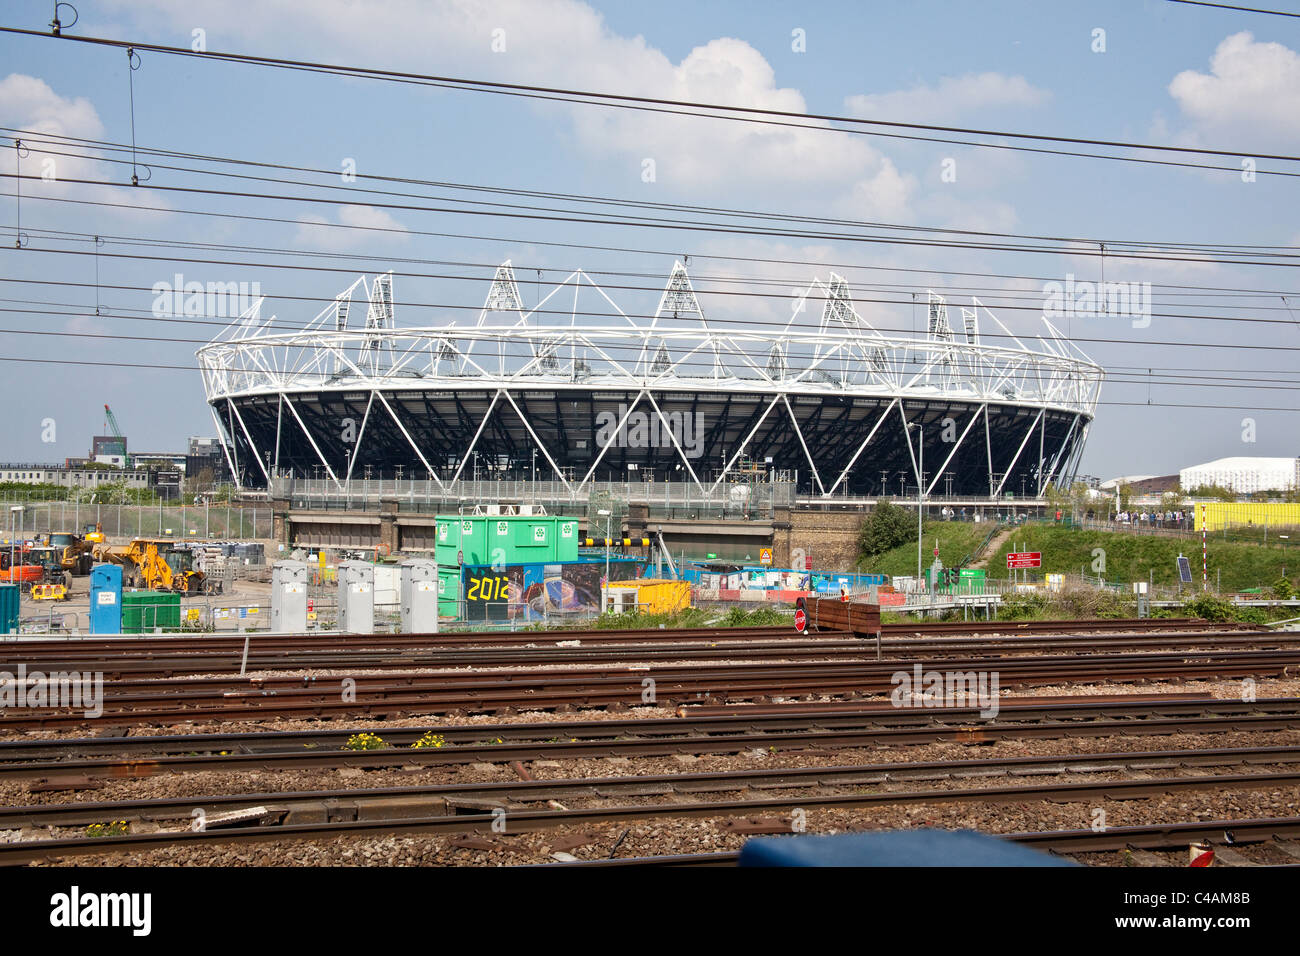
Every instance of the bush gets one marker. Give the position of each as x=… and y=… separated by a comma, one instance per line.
x=1019, y=607
x=886, y=526
x=1283, y=589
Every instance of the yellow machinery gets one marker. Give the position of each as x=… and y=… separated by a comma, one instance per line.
x=154, y=564
x=49, y=592
x=76, y=553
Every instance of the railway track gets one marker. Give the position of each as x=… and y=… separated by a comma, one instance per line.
x=87, y=762
x=271, y=640
x=1281, y=832
x=170, y=700
x=368, y=802
x=125, y=665
x=526, y=820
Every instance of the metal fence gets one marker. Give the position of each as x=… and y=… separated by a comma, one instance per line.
x=222, y=521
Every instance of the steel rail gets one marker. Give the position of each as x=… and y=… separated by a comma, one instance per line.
x=532, y=820
x=526, y=791
x=79, y=773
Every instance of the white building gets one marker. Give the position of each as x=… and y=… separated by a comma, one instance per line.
x=70, y=477
x=1244, y=475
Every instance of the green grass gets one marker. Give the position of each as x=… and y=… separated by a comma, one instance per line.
x=761, y=616
x=1132, y=557
x=956, y=539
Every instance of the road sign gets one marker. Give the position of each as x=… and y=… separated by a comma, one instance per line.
x=1024, y=559
x=800, y=620
x=807, y=564
x=764, y=555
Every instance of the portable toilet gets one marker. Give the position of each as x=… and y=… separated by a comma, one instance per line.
x=9, y=608
x=356, y=597
x=446, y=546
x=419, y=600
x=106, y=599
x=289, y=597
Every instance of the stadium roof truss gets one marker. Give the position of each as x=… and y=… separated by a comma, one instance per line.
x=561, y=343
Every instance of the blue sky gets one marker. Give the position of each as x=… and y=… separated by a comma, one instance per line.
x=1170, y=73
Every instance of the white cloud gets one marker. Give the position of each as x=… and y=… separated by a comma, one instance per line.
x=1252, y=90
x=369, y=227
x=565, y=43
x=952, y=99
x=30, y=104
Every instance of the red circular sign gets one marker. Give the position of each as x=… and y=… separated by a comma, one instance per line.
x=800, y=620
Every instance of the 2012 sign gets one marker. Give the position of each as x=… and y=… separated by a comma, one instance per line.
x=490, y=588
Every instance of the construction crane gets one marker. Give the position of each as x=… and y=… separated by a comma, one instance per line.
x=112, y=423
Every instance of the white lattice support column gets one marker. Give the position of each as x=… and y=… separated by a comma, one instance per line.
x=279, y=415
x=226, y=446
x=907, y=437
x=680, y=451
x=988, y=447
x=947, y=461
x=252, y=445
x=741, y=450
x=432, y=472
x=356, y=445
x=863, y=447
x=314, y=447
x=465, y=455
x=546, y=454
x=618, y=430
x=1007, y=474
x=1056, y=460
x=794, y=422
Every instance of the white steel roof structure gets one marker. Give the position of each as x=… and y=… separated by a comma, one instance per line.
x=824, y=393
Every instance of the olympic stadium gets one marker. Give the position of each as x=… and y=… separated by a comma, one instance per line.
x=579, y=392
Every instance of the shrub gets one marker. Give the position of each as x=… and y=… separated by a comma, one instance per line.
x=886, y=526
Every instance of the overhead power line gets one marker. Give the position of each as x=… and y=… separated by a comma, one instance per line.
x=848, y=124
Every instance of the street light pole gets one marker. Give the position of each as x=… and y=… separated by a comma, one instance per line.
x=920, y=494
x=604, y=595
x=15, y=512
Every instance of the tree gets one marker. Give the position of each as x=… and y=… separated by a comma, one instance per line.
x=202, y=482
x=1172, y=501
x=885, y=526
x=1212, y=491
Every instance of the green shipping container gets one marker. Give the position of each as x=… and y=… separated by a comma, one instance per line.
x=9, y=598
x=505, y=539
x=449, y=592
x=142, y=611
x=566, y=540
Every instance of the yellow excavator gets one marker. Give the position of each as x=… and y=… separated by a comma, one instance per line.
x=154, y=564
x=75, y=552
